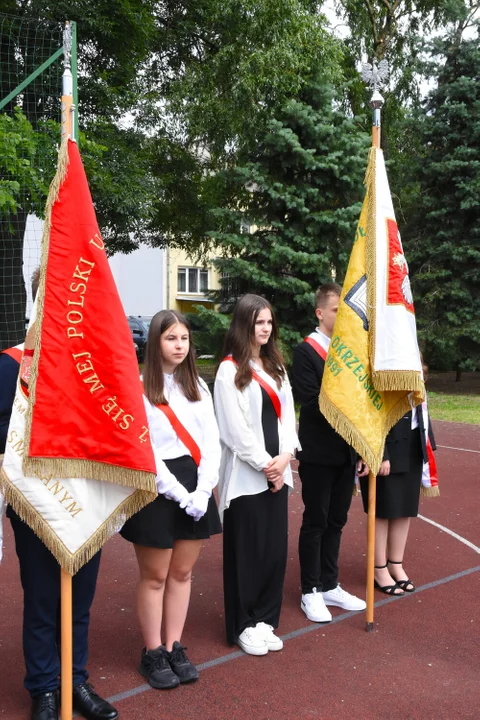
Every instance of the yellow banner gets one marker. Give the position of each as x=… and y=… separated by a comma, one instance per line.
x=348, y=398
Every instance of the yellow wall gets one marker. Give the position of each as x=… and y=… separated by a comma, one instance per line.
x=184, y=301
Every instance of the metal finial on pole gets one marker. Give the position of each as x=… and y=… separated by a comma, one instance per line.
x=68, y=108
x=67, y=45
x=375, y=76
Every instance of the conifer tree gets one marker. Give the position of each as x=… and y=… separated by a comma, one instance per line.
x=443, y=230
x=293, y=208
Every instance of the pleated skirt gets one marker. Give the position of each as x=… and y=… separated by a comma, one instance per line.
x=160, y=523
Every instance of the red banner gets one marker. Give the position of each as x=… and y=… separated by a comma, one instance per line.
x=88, y=401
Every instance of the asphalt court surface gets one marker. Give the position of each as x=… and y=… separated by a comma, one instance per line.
x=420, y=663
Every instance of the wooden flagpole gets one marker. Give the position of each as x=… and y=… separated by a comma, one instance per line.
x=372, y=492
x=66, y=671
x=374, y=76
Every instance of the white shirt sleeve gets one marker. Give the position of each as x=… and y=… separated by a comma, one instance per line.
x=167, y=483
x=234, y=429
x=210, y=446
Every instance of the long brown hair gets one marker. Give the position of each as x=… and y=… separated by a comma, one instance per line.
x=186, y=373
x=240, y=336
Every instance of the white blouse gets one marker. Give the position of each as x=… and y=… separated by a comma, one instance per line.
x=239, y=417
x=199, y=419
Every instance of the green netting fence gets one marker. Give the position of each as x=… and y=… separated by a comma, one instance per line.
x=31, y=68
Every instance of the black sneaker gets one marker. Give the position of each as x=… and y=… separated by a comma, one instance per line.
x=181, y=665
x=155, y=667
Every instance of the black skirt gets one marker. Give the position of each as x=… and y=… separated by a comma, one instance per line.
x=398, y=494
x=162, y=521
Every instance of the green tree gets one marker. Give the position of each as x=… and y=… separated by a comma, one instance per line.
x=293, y=208
x=442, y=207
x=113, y=40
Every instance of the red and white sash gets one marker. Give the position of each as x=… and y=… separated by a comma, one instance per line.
x=315, y=341
x=429, y=473
x=277, y=405
x=181, y=431
x=15, y=353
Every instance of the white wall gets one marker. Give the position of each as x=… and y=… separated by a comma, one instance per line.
x=140, y=276
x=32, y=243
x=141, y=280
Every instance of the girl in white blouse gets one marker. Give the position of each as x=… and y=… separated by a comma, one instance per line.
x=256, y=419
x=168, y=533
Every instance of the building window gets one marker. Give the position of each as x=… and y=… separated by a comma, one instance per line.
x=192, y=280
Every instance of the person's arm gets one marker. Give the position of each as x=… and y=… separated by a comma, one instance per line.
x=167, y=483
x=306, y=380
x=8, y=383
x=210, y=447
x=232, y=424
x=210, y=460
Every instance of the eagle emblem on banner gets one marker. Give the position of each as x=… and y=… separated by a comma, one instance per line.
x=399, y=291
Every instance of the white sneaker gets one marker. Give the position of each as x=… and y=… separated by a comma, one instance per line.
x=252, y=641
x=342, y=599
x=314, y=607
x=273, y=641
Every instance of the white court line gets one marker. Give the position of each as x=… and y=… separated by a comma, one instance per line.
x=447, y=447
x=450, y=532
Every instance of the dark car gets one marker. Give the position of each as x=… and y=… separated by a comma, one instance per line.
x=139, y=325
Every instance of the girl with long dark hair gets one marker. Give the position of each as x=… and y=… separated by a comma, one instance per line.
x=168, y=533
x=256, y=419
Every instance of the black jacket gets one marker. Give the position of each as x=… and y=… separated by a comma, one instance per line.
x=397, y=445
x=320, y=443
x=8, y=383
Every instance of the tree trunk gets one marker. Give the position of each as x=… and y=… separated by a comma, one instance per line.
x=458, y=375
x=12, y=287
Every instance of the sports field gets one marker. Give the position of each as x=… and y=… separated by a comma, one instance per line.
x=420, y=663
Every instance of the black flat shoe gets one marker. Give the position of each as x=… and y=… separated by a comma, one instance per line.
x=90, y=705
x=406, y=585
x=45, y=706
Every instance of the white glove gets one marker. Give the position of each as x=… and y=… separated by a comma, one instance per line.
x=178, y=493
x=197, y=504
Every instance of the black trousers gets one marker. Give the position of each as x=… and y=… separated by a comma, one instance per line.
x=327, y=495
x=255, y=536
x=40, y=576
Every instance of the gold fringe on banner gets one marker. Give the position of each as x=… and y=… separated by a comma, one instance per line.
x=72, y=562
x=401, y=408
x=90, y=470
x=53, y=192
x=390, y=380
x=430, y=492
x=350, y=433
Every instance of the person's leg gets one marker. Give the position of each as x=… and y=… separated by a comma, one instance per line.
x=177, y=589
x=153, y=565
x=381, y=572
x=397, y=540
x=83, y=591
x=341, y=483
x=273, y=552
x=40, y=576
x=243, y=548
x=316, y=491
